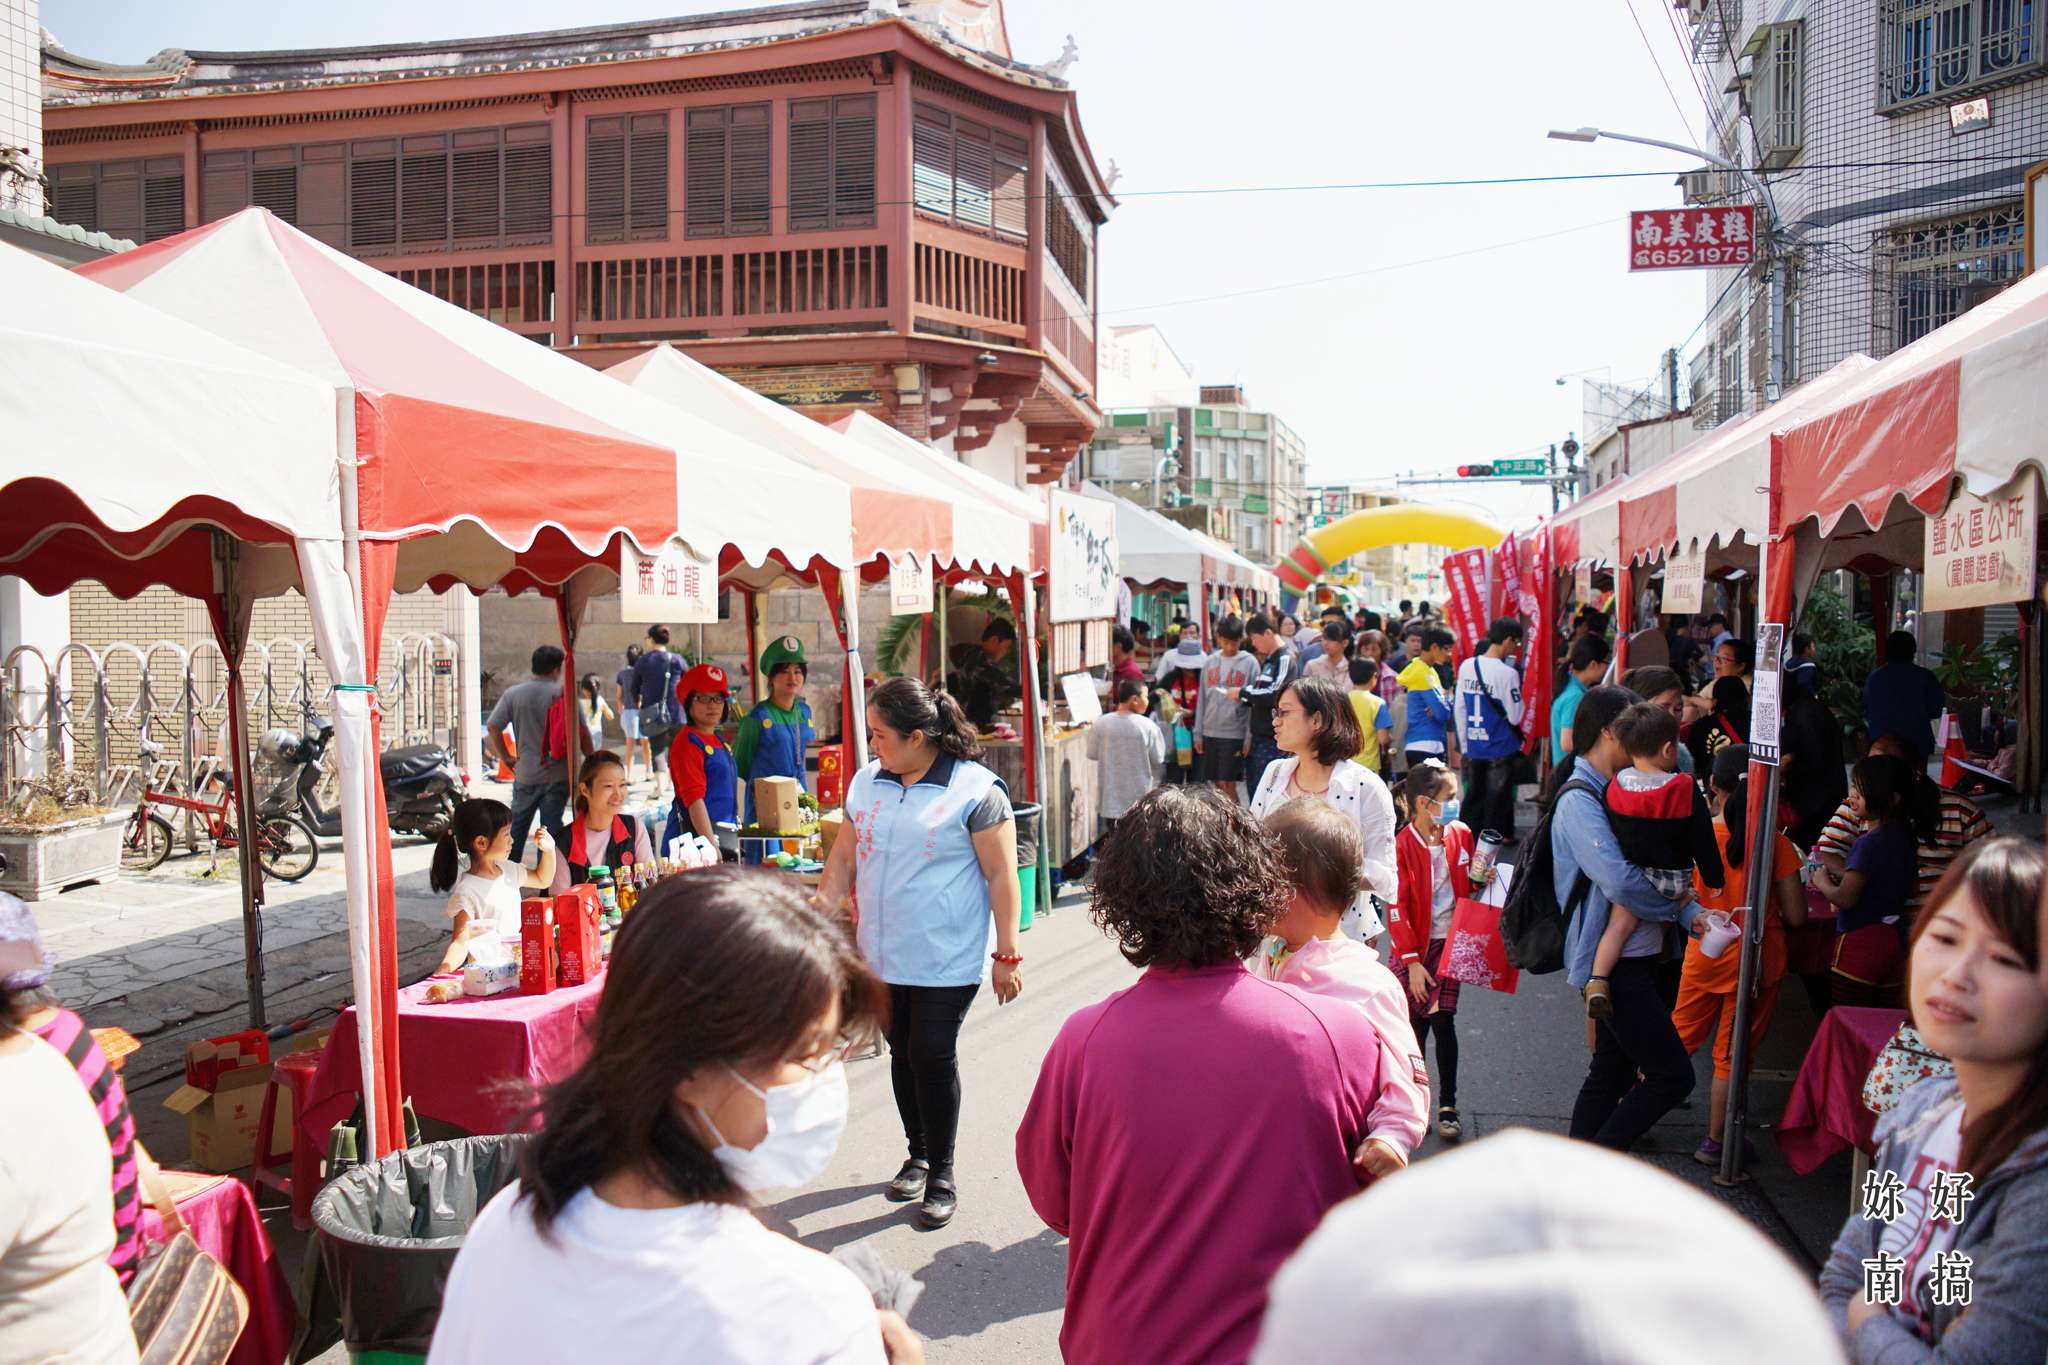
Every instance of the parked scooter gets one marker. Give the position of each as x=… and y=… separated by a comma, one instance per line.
x=421, y=781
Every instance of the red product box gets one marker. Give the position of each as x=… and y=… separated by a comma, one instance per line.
x=205, y=1061
x=536, y=946
x=831, y=776
x=582, y=949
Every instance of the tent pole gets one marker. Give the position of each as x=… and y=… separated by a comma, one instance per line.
x=231, y=632
x=856, y=683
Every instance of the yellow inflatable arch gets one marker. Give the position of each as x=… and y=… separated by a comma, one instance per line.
x=1403, y=524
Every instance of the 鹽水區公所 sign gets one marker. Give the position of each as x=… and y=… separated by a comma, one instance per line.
x=1691, y=238
x=1082, y=557
x=1980, y=550
x=675, y=585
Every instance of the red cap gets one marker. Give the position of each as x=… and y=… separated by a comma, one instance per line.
x=702, y=678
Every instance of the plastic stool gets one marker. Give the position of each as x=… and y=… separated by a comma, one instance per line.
x=293, y=1071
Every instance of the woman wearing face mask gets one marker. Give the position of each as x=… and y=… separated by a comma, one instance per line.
x=1967, y=1156
x=930, y=857
x=696, y=1098
x=597, y=834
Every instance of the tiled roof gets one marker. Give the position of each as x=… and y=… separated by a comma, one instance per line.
x=68, y=232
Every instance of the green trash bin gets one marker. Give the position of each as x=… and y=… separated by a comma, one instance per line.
x=385, y=1236
x=1030, y=827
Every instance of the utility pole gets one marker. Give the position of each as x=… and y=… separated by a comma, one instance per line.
x=1554, y=501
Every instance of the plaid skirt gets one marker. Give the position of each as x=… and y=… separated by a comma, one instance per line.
x=1443, y=995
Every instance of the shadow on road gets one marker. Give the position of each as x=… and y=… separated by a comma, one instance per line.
x=972, y=1285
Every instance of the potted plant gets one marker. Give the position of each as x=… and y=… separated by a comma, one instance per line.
x=54, y=834
x=1980, y=681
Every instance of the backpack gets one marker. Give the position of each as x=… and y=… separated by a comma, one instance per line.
x=556, y=745
x=1532, y=923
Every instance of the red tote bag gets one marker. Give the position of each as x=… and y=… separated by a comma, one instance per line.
x=1473, y=951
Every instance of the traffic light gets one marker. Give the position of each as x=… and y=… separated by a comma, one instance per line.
x=1475, y=471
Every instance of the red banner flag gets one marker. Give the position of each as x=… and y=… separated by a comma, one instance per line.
x=1539, y=655
x=1465, y=577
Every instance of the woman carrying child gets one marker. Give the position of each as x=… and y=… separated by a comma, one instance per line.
x=1309, y=951
x=1434, y=855
x=1663, y=827
x=1873, y=889
x=1968, y=1154
x=599, y=834
x=1707, y=989
x=483, y=898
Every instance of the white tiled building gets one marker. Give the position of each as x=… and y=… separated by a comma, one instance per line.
x=1896, y=137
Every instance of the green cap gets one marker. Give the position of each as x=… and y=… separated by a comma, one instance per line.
x=786, y=649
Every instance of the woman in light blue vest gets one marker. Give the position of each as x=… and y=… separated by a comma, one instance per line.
x=929, y=854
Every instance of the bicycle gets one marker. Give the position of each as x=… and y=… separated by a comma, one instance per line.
x=285, y=845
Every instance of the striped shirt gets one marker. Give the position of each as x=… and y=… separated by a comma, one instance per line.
x=1958, y=824
x=67, y=1033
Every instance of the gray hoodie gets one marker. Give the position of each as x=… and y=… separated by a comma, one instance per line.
x=2004, y=1232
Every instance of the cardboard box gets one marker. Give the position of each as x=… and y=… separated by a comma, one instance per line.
x=205, y=1061
x=578, y=940
x=536, y=945
x=829, y=826
x=775, y=804
x=221, y=1123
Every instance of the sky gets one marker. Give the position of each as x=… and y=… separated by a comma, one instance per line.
x=1395, y=329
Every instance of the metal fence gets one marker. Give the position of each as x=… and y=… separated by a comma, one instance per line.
x=91, y=710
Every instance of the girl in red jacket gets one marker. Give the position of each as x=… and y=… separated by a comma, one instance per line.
x=1432, y=853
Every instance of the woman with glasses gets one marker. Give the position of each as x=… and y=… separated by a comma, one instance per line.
x=1314, y=725
x=929, y=855
x=716, y=1073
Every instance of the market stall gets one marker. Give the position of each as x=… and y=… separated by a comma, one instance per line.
x=478, y=458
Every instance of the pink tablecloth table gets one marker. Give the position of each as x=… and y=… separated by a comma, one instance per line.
x=221, y=1215
x=471, y=1062
x=1825, y=1112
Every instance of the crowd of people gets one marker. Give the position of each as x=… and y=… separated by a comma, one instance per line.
x=1289, y=901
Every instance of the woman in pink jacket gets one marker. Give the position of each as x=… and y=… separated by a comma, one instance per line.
x=1135, y=1144
x=1319, y=848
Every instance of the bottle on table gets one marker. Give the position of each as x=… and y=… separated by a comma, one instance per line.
x=607, y=894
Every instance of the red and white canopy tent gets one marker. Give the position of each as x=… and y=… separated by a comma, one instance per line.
x=133, y=443
x=900, y=507
x=468, y=455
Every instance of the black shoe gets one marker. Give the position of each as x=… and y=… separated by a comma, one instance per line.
x=909, y=1182
x=940, y=1200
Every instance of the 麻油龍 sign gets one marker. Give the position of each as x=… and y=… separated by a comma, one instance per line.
x=1980, y=550
x=1685, y=583
x=676, y=585
x=1691, y=238
x=1083, y=559
x=910, y=585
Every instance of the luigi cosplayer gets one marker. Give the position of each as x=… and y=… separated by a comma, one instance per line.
x=777, y=732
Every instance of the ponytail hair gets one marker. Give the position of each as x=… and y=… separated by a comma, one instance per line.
x=908, y=707
x=1425, y=780
x=1731, y=778
x=477, y=818
x=1598, y=710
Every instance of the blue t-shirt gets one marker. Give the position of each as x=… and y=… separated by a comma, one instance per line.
x=1903, y=699
x=1889, y=859
x=1561, y=712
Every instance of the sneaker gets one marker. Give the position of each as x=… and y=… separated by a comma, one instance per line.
x=1708, y=1153
x=1447, y=1126
x=1599, y=1004
x=909, y=1182
x=941, y=1200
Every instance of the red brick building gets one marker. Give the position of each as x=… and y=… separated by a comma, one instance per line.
x=843, y=203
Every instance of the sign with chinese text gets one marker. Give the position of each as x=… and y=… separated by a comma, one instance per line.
x=1465, y=576
x=1765, y=690
x=1980, y=551
x=1685, y=583
x=1691, y=238
x=675, y=586
x=1521, y=467
x=1083, y=568
x=910, y=586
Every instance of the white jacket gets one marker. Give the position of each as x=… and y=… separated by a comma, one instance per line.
x=1358, y=792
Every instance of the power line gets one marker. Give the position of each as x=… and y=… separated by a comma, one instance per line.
x=1683, y=121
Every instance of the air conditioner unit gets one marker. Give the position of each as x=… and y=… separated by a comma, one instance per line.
x=1700, y=187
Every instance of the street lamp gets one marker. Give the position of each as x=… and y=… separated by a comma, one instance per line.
x=1165, y=466
x=1774, y=244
